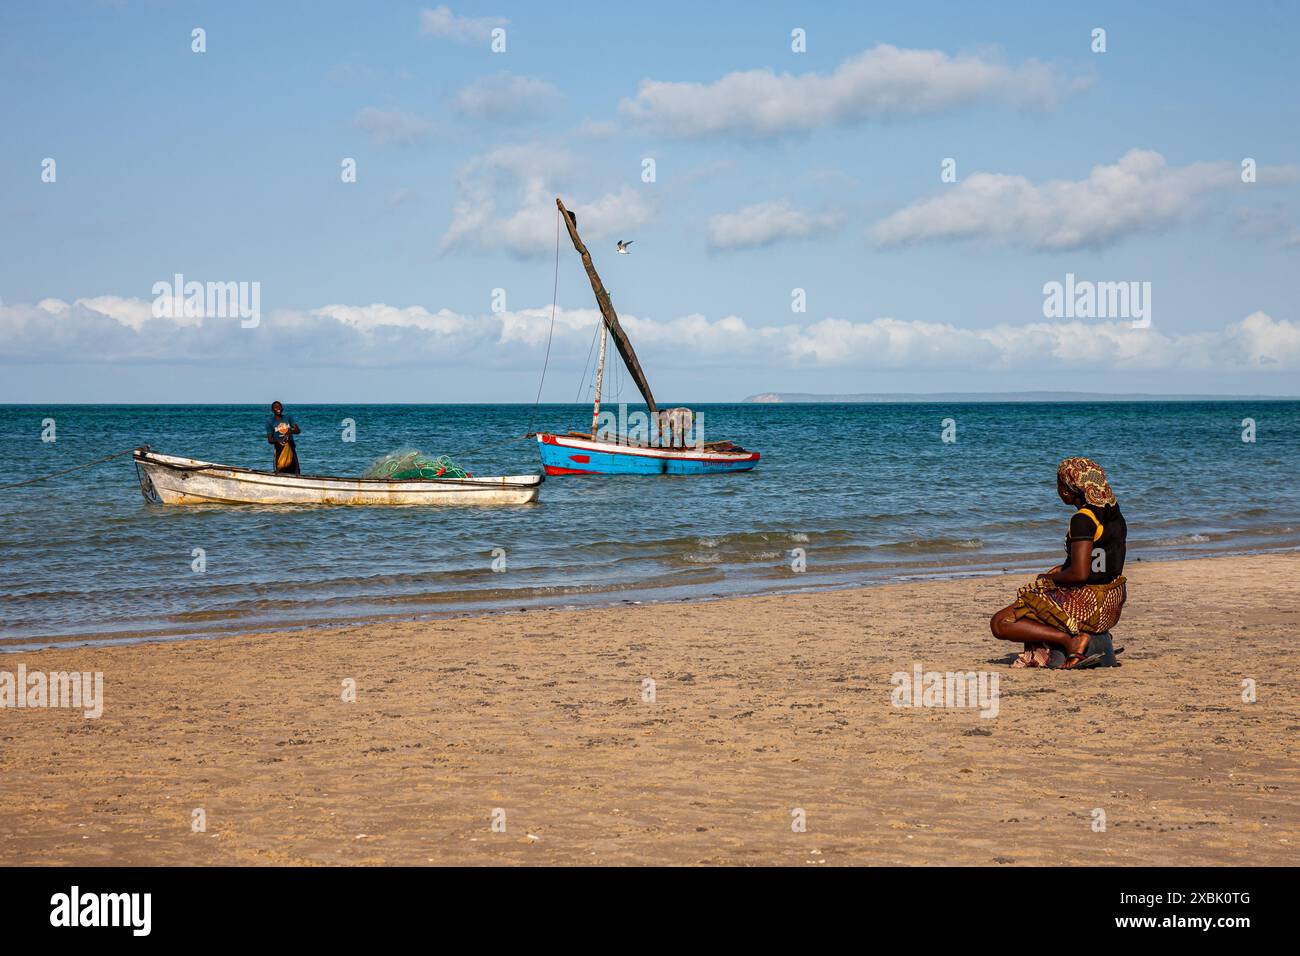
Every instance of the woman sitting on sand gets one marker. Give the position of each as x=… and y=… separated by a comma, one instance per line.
x=1083, y=597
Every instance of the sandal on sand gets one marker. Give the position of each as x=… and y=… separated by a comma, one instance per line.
x=1100, y=651
x=1078, y=662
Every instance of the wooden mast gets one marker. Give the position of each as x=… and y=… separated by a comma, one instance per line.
x=600, y=382
x=607, y=311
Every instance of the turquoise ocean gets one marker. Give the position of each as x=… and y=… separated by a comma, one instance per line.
x=863, y=493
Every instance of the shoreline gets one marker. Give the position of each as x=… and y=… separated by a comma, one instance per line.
x=613, y=598
x=761, y=706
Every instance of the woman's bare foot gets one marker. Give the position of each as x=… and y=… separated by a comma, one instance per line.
x=1076, y=650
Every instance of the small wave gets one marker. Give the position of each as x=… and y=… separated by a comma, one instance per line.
x=711, y=558
x=1185, y=539
x=936, y=545
x=800, y=537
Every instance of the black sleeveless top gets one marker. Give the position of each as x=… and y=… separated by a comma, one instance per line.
x=1109, y=547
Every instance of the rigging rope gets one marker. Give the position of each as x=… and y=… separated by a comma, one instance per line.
x=67, y=471
x=555, y=290
x=582, y=382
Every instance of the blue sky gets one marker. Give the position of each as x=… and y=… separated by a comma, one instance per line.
x=775, y=171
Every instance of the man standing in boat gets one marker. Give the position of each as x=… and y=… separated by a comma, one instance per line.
x=280, y=429
x=676, y=425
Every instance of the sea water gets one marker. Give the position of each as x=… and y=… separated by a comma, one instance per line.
x=844, y=495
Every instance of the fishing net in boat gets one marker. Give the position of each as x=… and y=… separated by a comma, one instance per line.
x=409, y=463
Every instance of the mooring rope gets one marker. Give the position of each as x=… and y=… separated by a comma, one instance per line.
x=67, y=471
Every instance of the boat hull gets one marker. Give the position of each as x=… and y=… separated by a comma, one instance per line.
x=169, y=480
x=567, y=455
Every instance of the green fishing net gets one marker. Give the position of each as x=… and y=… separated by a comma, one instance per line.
x=409, y=463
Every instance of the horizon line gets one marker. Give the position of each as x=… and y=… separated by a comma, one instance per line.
x=794, y=398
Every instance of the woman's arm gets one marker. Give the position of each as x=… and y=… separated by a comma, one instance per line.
x=1080, y=564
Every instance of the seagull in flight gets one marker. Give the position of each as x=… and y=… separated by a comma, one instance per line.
x=623, y=244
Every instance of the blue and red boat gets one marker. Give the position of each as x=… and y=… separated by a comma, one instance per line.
x=676, y=445
x=576, y=454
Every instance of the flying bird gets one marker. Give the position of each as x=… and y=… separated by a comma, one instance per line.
x=623, y=244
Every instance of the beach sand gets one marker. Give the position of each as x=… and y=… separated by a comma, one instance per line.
x=763, y=706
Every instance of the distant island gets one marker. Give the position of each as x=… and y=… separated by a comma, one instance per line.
x=773, y=398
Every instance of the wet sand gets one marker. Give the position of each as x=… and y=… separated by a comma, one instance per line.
x=761, y=707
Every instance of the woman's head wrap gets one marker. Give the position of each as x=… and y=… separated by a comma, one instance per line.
x=1084, y=477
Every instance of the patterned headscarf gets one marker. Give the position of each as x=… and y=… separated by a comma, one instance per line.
x=1084, y=476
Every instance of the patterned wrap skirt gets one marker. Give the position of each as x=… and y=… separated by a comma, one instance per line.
x=1090, y=608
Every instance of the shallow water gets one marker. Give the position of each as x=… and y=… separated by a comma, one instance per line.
x=867, y=492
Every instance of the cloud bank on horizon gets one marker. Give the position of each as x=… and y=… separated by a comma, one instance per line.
x=111, y=329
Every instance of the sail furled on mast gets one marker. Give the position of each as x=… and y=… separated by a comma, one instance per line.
x=606, y=307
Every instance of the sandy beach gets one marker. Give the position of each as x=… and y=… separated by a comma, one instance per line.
x=763, y=711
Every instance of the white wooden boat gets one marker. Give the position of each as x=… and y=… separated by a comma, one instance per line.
x=169, y=480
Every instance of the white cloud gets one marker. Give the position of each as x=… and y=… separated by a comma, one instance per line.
x=1272, y=223
x=441, y=22
x=368, y=318
x=529, y=177
x=389, y=126
x=881, y=83
x=133, y=313
x=505, y=97
x=112, y=331
x=1140, y=193
x=765, y=223
x=129, y=312
x=1258, y=342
